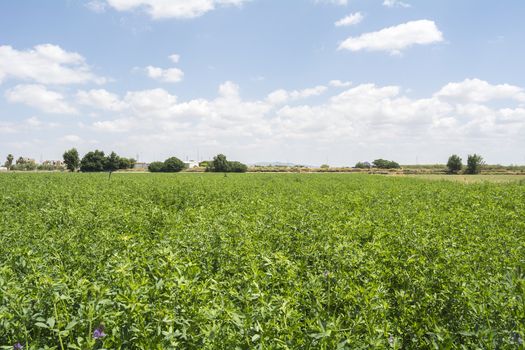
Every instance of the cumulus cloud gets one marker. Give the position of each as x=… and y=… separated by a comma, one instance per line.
x=281, y=96
x=395, y=3
x=350, y=20
x=38, y=96
x=174, y=58
x=46, y=64
x=154, y=103
x=476, y=90
x=163, y=9
x=340, y=84
x=169, y=75
x=395, y=39
x=100, y=99
x=381, y=115
x=71, y=138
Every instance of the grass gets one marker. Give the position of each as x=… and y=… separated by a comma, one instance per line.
x=260, y=261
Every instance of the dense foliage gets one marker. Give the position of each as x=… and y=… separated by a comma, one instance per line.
x=474, y=163
x=97, y=161
x=220, y=164
x=385, y=164
x=454, y=164
x=170, y=165
x=156, y=167
x=363, y=165
x=93, y=162
x=260, y=261
x=71, y=159
x=9, y=161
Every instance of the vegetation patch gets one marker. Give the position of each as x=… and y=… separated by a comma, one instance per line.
x=259, y=261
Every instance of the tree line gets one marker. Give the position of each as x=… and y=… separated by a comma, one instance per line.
x=378, y=163
x=219, y=164
x=96, y=161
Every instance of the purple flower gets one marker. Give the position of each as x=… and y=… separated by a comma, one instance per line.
x=391, y=340
x=18, y=346
x=517, y=338
x=98, y=333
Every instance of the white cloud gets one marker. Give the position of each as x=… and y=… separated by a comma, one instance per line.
x=350, y=20
x=381, y=115
x=114, y=126
x=365, y=121
x=174, y=58
x=395, y=3
x=281, y=96
x=7, y=128
x=169, y=75
x=38, y=96
x=72, y=138
x=309, y=92
x=396, y=38
x=162, y=9
x=340, y=84
x=476, y=90
x=229, y=90
x=96, y=6
x=46, y=64
x=100, y=99
x=156, y=103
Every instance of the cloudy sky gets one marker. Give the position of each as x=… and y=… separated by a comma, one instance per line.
x=303, y=81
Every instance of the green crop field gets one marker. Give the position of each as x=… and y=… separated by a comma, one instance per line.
x=260, y=261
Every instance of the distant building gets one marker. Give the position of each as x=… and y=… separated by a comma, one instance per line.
x=25, y=160
x=3, y=168
x=140, y=165
x=190, y=164
x=55, y=163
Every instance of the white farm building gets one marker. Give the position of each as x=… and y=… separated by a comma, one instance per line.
x=190, y=164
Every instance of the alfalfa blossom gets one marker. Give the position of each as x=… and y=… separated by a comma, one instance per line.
x=18, y=346
x=98, y=333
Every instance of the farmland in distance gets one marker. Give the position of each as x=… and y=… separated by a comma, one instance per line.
x=260, y=261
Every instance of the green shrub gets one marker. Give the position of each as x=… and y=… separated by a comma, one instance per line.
x=156, y=167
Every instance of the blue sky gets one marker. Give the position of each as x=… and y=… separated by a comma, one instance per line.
x=310, y=81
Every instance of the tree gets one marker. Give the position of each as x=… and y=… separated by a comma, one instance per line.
x=454, y=164
x=156, y=167
x=325, y=166
x=9, y=161
x=363, y=165
x=71, y=159
x=237, y=167
x=112, y=163
x=93, y=162
x=124, y=163
x=173, y=165
x=385, y=164
x=219, y=164
x=474, y=163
